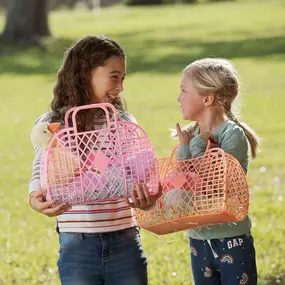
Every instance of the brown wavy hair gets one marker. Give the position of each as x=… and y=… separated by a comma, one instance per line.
x=73, y=85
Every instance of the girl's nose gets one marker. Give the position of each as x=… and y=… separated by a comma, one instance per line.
x=120, y=87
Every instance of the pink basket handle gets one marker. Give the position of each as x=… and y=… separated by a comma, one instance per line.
x=104, y=106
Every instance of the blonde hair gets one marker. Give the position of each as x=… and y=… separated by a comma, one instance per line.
x=218, y=76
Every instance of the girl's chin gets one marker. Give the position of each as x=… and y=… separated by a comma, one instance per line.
x=184, y=117
x=187, y=118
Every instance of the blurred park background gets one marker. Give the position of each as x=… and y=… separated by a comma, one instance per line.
x=160, y=40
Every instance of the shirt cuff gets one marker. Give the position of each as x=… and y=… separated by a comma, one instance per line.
x=183, y=152
x=35, y=185
x=197, y=147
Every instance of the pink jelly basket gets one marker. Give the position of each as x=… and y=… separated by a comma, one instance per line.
x=208, y=190
x=85, y=167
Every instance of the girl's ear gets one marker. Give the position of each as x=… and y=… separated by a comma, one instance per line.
x=208, y=100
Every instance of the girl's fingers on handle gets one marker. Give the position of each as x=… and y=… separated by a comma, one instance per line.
x=138, y=196
x=45, y=205
x=213, y=139
x=48, y=208
x=56, y=211
x=141, y=198
x=141, y=193
x=150, y=200
x=208, y=136
x=37, y=196
x=128, y=202
x=135, y=202
x=159, y=193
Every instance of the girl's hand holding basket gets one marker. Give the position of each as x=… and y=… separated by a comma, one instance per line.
x=142, y=199
x=38, y=203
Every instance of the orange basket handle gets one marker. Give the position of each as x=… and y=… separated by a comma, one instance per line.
x=174, y=151
x=208, y=147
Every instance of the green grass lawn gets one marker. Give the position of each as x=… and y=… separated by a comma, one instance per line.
x=159, y=42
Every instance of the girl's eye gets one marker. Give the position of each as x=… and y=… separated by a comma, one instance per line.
x=115, y=76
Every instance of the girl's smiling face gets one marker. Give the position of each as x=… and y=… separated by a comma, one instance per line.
x=107, y=80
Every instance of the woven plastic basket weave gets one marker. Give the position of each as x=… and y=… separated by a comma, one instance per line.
x=102, y=164
x=208, y=190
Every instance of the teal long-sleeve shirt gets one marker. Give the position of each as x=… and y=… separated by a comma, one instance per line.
x=232, y=140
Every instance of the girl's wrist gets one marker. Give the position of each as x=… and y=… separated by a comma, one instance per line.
x=30, y=198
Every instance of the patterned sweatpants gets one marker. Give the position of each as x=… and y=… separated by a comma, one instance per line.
x=228, y=261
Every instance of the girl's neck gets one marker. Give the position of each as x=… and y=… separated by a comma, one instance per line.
x=211, y=121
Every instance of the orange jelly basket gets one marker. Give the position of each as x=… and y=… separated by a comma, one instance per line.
x=211, y=189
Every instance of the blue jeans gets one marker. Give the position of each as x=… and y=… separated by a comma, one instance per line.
x=114, y=258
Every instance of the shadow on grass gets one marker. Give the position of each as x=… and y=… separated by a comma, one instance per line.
x=145, y=54
x=28, y=60
x=143, y=57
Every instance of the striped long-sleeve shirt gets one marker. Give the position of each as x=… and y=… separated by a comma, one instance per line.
x=104, y=216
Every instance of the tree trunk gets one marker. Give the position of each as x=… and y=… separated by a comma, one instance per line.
x=41, y=27
x=26, y=21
